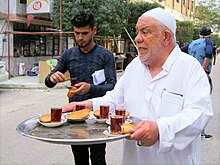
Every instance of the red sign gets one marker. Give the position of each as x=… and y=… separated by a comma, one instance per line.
x=37, y=5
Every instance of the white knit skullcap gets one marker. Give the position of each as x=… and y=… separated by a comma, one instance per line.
x=164, y=17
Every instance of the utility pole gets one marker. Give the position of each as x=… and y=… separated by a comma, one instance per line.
x=61, y=39
x=8, y=34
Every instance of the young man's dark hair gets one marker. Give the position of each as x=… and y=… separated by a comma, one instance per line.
x=83, y=18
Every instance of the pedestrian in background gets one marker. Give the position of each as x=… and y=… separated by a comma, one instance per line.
x=167, y=90
x=214, y=51
x=84, y=62
x=202, y=50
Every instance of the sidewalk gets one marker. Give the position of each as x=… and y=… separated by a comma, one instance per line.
x=26, y=82
x=32, y=82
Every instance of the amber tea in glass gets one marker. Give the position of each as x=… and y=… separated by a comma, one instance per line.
x=56, y=114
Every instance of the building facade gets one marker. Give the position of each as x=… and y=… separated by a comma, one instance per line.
x=31, y=37
x=182, y=9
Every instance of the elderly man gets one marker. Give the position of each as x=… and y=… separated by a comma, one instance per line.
x=165, y=88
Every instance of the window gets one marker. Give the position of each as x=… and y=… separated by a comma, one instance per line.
x=188, y=4
x=192, y=5
x=23, y=1
x=56, y=46
x=184, y=2
x=49, y=45
x=29, y=45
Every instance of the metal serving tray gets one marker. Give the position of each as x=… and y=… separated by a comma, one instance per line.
x=85, y=133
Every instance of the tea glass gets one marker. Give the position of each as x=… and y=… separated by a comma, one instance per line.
x=104, y=111
x=116, y=124
x=80, y=107
x=121, y=111
x=56, y=114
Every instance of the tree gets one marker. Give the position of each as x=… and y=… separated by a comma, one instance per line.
x=135, y=11
x=66, y=14
x=184, y=31
x=196, y=29
x=111, y=15
x=208, y=13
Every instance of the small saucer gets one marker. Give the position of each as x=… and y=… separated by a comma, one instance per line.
x=107, y=133
x=53, y=124
x=68, y=86
x=127, y=121
x=100, y=120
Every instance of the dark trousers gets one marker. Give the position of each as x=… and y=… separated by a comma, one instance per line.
x=214, y=56
x=97, y=154
x=210, y=82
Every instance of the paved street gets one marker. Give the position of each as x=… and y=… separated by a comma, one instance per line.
x=17, y=105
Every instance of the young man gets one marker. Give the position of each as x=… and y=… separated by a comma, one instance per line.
x=165, y=88
x=82, y=61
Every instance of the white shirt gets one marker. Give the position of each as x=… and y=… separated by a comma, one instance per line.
x=178, y=99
